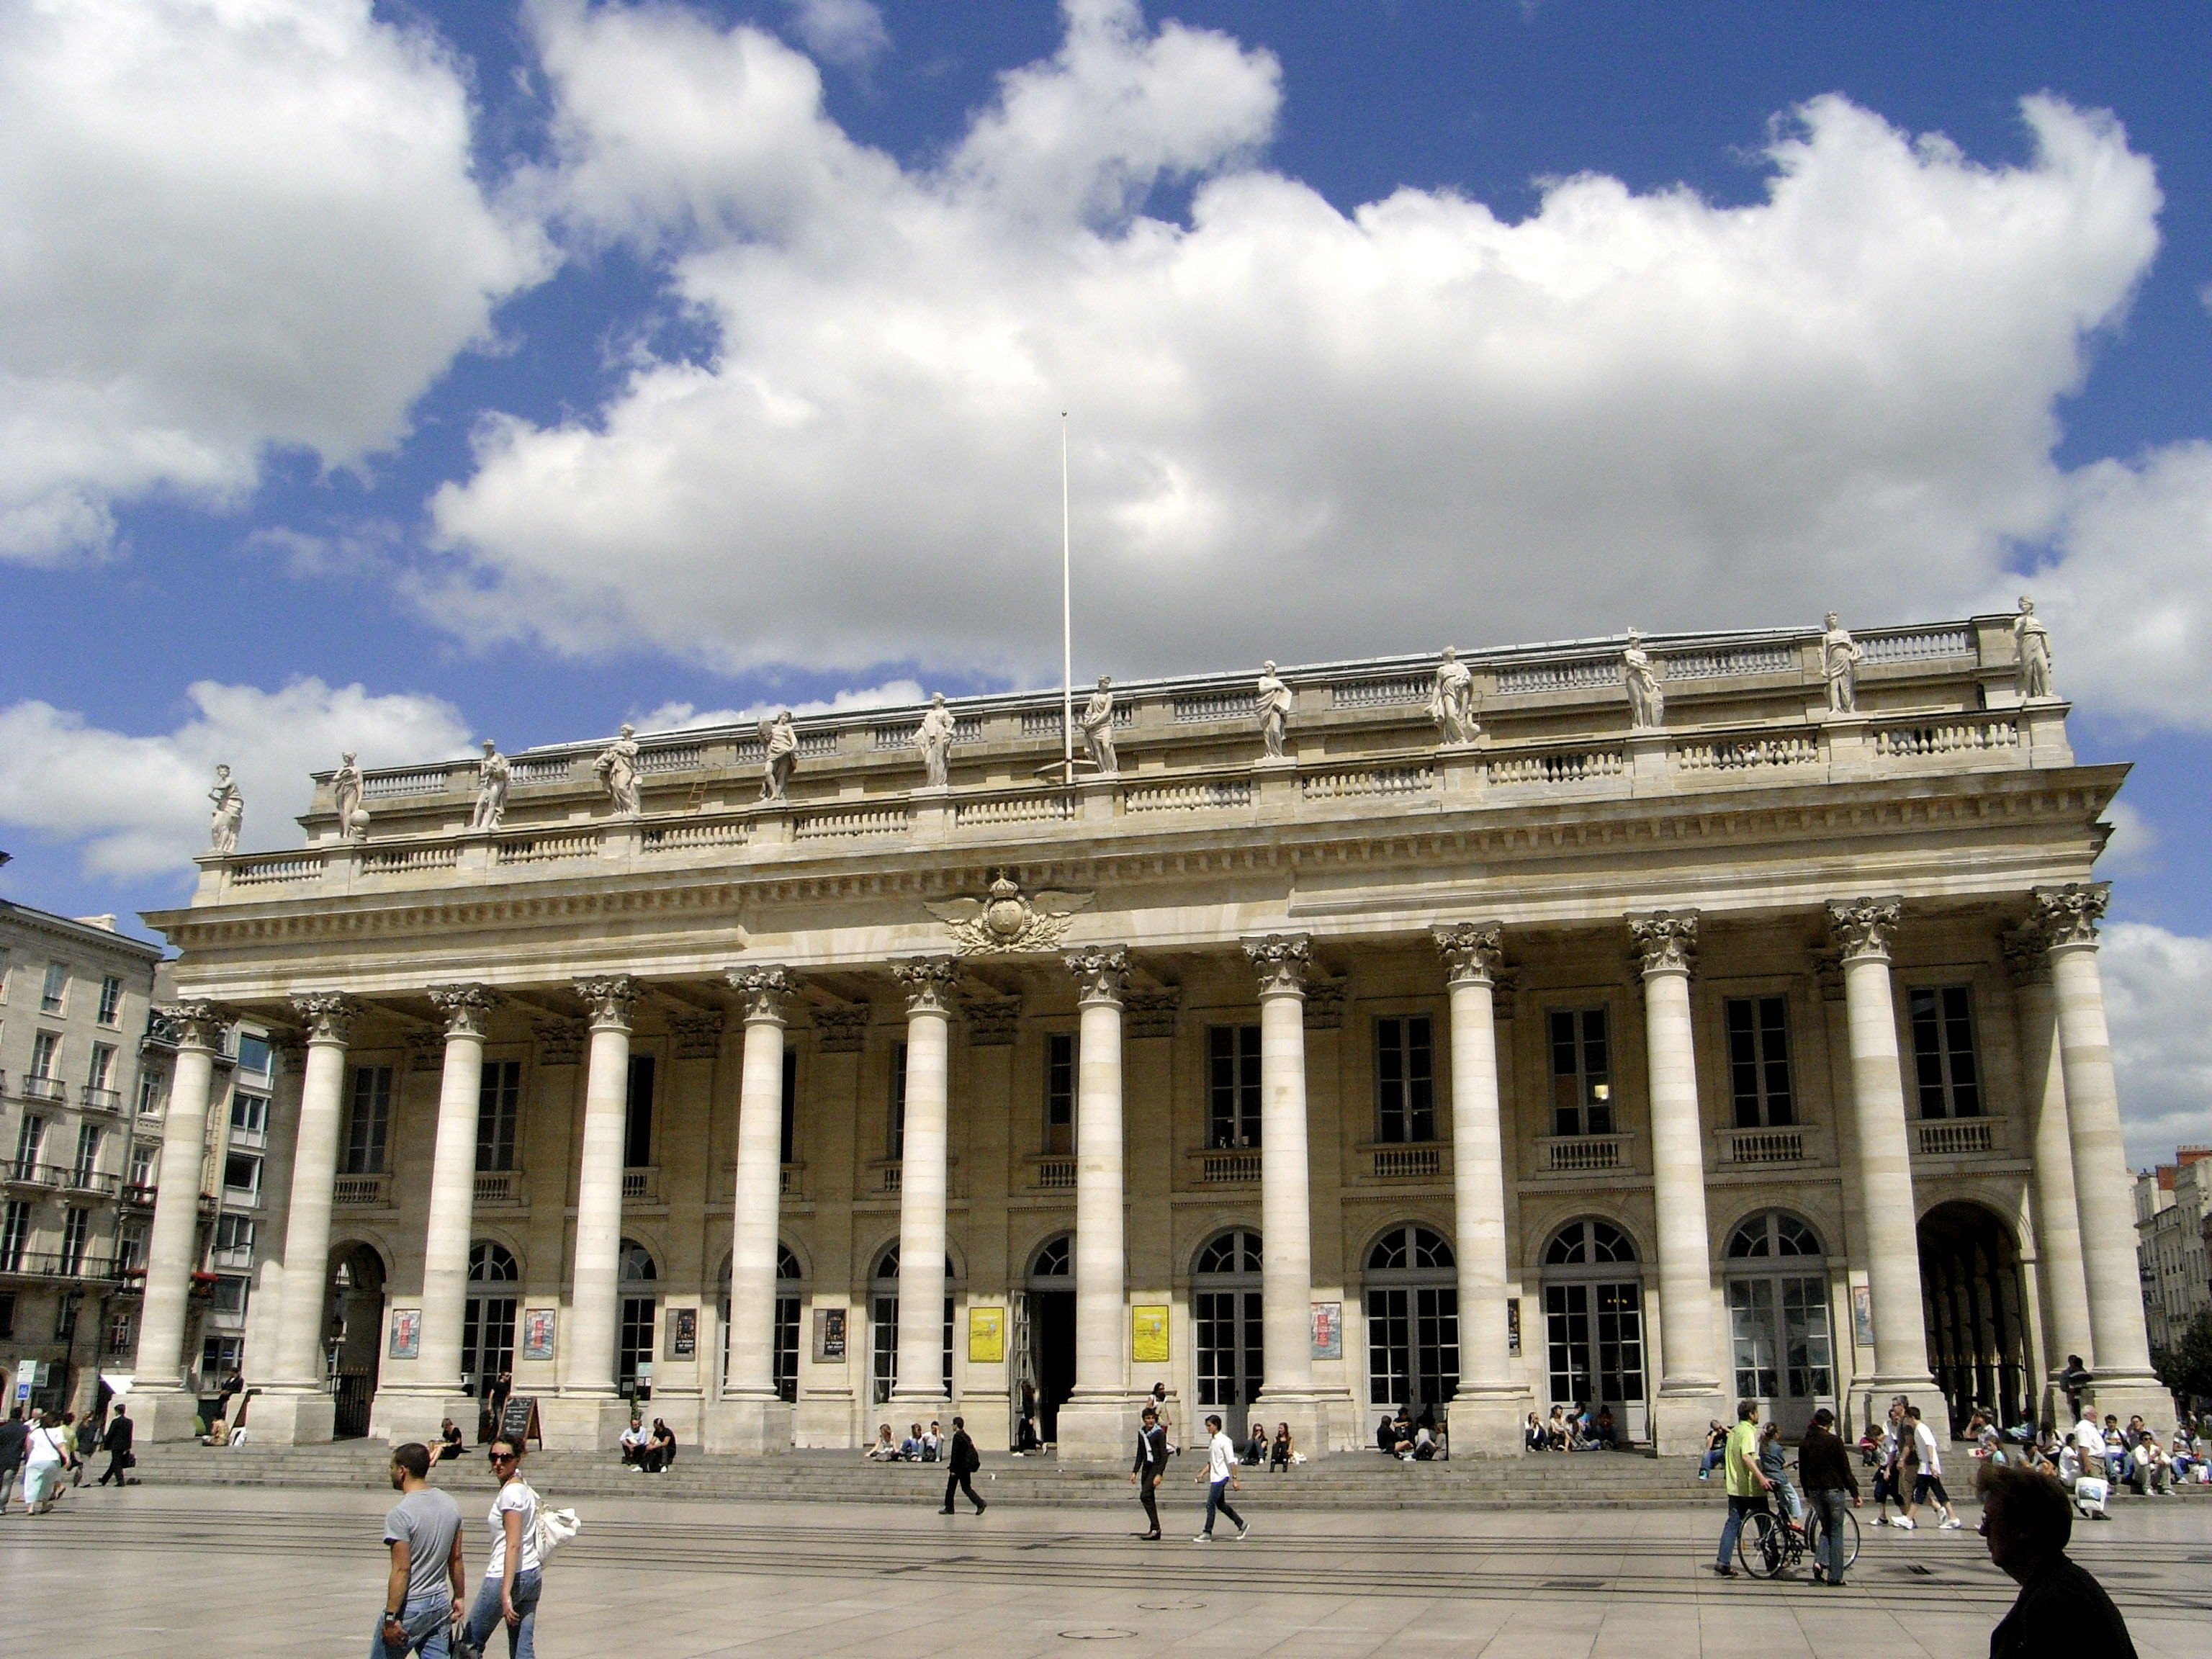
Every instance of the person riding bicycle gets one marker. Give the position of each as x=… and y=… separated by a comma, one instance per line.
x=1774, y=1464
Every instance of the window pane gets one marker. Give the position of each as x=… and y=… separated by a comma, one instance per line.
x=637, y=1117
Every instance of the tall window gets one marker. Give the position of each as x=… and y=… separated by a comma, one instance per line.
x=142, y=1165
x=1582, y=1073
x=499, y=1104
x=1404, y=1082
x=241, y=1178
x=790, y=1133
x=49, y=998
x=149, y=1094
x=45, y=1050
x=99, y=1074
x=234, y=1241
x=1060, y=1092
x=130, y=1247
x=15, y=1235
x=640, y=1302
x=1232, y=1079
x=1759, y=1062
x=898, y=1102
x=88, y=1152
x=637, y=1120
x=30, y=1140
x=249, y=1119
x=1943, y=1053
x=253, y=1053
x=368, y=1120
x=111, y=999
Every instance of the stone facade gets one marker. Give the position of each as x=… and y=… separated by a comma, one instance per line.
x=1754, y=1048
x=2173, y=1226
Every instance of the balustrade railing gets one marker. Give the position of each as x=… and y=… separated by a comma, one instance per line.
x=421, y=781
x=1034, y=807
x=1582, y=1154
x=1380, y=693
x=270, y=872
x=1953, y=1137
x=1915, y=644
x=682, y=837
x=1786, y=1145
x=548, y=849
x=499, y=1186
x=1205, y=795
x=670, y=757
x=1368, y=781
x=1581, y=674
x=1229, y=1168
x=360, y=1191
x=1560, y=765
x=1748, y=754
x=1053, y=1173
x=396, y=859
x=857, y=821
x=1406, y=1162
x=1949, y=735
x=1217, y=706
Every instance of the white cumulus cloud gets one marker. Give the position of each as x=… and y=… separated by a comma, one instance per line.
x=2157, y=986
x=138, y=803
x=689, y=717
x=1298, y=432
x=231, y=223
x=850, y=33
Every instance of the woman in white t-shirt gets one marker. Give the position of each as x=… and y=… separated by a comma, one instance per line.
x=44, y=1457
x=509, y=1592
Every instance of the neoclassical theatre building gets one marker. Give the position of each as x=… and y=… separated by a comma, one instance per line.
x=1641, y=1024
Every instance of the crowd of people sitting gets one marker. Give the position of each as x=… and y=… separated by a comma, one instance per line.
x=649, y=1451
x=1278, y=1452
x=1579, y=1430
x=1411, y=1440
x=919, y=1446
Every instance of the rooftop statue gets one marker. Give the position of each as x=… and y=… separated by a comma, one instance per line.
x=1840, y=657
x=493, y=773
x=616, y=767
x=1451, y=704
x=1273, y=707
x=229, y=812
x=1097, y=724
x=934, y=737
x=345, y=793
x=782, y=741
x=2031, y=639
x=1647, y=703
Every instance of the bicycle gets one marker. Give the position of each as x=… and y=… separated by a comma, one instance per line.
x=1771, y=1542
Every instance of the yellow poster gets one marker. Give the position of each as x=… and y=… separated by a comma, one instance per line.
x=1148, y=1336
x=987, y=1335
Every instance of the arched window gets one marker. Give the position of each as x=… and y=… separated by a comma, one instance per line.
x=883, y=1315
x=1237, y=1251
x=1411, y=1247
x=1226, y=1321
x=790, y=1280
x=1773, y=1233
x=1587, y=1243
x=488, y=1316
x=491, y=1264
x=1052, y=1260
x=640, y=1306
x=637, y=1267
x=1412, y=1302
x=887, y=1266
x=1778, y=1325
x=787, y=1264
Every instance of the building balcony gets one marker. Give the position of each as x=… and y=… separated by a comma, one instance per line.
x=137, y=1194
x=92, y=1182
x=1227, y=1166
x=1053, y=1173
x=93, y=1099
x=362, y=1191
x=1408, y=1160
x=53, y=1266
x=501, y=1187
x=1583, y=1154
x=641, y=1184
x=1958, y=1137
x=1767, y=1148
x=50, y=1089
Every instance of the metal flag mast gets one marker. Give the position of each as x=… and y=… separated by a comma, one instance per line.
x=1067, y=624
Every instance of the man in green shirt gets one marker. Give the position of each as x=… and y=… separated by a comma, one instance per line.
x=1747, y=1487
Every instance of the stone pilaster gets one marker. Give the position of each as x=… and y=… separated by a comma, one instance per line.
x=923, y=1183
x=750, y=1416
x=1095, y=1423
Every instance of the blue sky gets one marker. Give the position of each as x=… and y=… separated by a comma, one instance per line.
x=395, y=376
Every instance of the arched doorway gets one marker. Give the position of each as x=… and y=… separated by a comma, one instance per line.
x=640, y=1301
x=1593, y=1323
x=1777, y=1299
x=354, y=1337
x=1970, y=1297
x=1044, y=1335
x=884, y=1312
x=790, y=1294
x=1225, y=1315
x=1412, y=1320
x=488, y=1321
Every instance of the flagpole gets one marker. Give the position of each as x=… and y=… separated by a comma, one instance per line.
x=1066, y=622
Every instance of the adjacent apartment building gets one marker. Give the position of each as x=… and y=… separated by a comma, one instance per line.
x=76, y=1190
x=2174, y=1211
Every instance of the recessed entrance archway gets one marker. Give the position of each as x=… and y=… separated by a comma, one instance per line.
x=1593, y=1323
x=354, y=1336
x=1970, y=1297
x=1412, y=1320
x=1226, y=1316
x=1778, y=1331
x=488, y=1323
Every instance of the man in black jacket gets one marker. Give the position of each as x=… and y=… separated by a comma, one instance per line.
x=15, y=1440
x=965, y=1461
x=116, y=1443
x=2062, y=1612
x=1824, y=1466
x=1151, y=1465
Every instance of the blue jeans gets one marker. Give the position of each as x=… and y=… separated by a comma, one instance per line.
x=426, y=1619
x=1711, y=1461
x=1217, y=1498
x=484, y=1617
x=1826, y=1505
x=1732, y=1528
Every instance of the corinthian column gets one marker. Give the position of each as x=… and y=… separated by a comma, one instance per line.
x=2058, y=1219
x=1093, y=1423
x=591, y=1415
x=2067, y=918
x=1488, y=1406
x=296, y=1406
x=1689, y=1387
x=1281, y=962
x=920, y=1381
x=751, y=1416
x=1860, y=929
x=164, y=1406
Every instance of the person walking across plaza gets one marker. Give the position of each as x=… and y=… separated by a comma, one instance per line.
x=1888, y=1465
x=1220, y=1478
x=964, y=1460
x=2061, y=1612
x=116, y=1443
x=45, y=1455
x=423, y=1531
x=1747, y=1487
x=508, y=1593
x=1150, y=1468
x=1824, y=1467
x=1927, y=1476
x=14, y=1437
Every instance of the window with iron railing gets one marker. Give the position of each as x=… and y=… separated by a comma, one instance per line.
x=111, y=999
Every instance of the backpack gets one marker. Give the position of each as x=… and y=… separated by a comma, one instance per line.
x=552, y=1528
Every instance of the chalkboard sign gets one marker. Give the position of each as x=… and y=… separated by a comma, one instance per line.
x=518, y=1420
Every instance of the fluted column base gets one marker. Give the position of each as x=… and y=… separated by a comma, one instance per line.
x=1097, y=1427
x=1679, y=1414
x=1489, y=1422
x=747, y=1424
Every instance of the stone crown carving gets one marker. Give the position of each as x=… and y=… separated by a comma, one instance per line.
x=2067, y=916
x=467, y=1008
x=610, y=999
x=698, y=1035
x=991, y=1021
x=194, y=1024
x=327, y=1015
x=1861, y=927
x=2026, y=960
x=928, y=981
x=1473, y=951
x=842, y=1030
x=1151, y=1014
x=1280, y=962
x=766, y=991
x=1668, y=942
x=1006, y=919
x=559, y=1042
x=1102, y=974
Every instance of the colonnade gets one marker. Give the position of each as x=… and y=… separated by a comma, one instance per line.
x=2077, y=1145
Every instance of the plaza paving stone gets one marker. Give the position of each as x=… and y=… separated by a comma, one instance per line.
x=291, y=1571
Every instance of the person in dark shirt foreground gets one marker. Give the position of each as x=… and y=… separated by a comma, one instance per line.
x=2062, y=1612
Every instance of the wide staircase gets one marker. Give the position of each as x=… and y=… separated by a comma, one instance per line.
x=1350, y=1480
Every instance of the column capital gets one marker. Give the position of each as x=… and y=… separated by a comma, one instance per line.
x=1861, y=927
x=610, y=999
x=327, y=1015
x=2067, y=917
x=1281, y=961
x=1667, y=941
x=765, y=988
x=928, y=981
x=467, y=1008
x=194, y=1024
x=1102, y=974
x=841, y=1029
x=2024, y=960
x=698, y=1035
x=1473, y=951
x=559, y=1042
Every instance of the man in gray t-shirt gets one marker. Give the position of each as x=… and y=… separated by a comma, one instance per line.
x=424, y=1532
